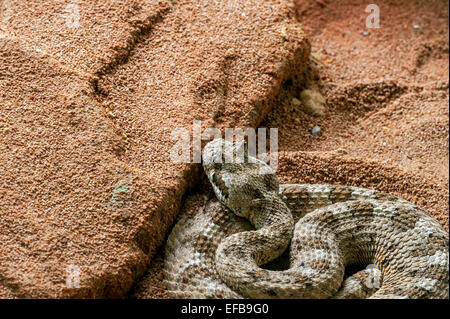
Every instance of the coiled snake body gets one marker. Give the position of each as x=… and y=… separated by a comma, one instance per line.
x=225, y=250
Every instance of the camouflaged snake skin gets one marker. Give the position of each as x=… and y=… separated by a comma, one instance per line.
x=218, y=253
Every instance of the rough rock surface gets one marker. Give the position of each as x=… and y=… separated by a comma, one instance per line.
x=86, y=181
x=385, y=121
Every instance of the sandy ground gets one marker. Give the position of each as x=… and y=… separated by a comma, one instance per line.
x=90, y=94
x=384, y=123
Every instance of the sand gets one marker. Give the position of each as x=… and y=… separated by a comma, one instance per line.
x=86, y=111
x=88, y=189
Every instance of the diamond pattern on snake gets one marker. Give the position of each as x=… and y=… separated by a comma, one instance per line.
x=226, y=250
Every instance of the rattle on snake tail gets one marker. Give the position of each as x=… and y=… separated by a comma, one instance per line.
x=221, y=252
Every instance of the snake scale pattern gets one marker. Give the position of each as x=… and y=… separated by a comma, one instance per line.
x=231, y=248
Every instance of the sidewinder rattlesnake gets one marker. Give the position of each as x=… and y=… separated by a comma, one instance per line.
x=218, y=253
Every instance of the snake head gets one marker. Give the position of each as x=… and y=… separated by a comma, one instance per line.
x=239, y=180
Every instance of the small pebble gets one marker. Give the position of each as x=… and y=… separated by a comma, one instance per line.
x=295, y=102
x=315, y=130
x=416, y=27
x=341, y=151
x=284, y=33
x=317, y=56
x=313, y=102
x=365, y=33
x=111, y=114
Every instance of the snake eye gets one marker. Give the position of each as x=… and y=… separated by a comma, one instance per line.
x=270, y=181
x=256, y=193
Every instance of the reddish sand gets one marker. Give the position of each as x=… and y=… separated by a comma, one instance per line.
x=88, y=189
x=385, y=123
